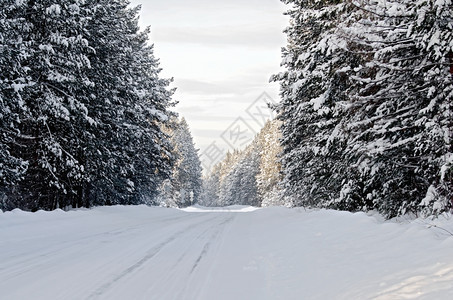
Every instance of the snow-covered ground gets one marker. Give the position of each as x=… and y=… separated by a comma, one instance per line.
x=236, y=253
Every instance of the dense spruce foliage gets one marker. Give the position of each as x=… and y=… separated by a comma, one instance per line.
x=367, y=107
x=81, y=106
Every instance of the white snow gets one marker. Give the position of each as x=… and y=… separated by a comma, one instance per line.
x=234, y=253
x=232, y=208
x=53, y=9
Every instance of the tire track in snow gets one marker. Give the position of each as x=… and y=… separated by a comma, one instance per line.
x=15, y=268
x=184, y=253
x=213, y=237
x=175, y=273
x=195, y=284
x=151, y=253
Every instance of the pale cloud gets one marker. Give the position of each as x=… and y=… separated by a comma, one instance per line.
x=252, y=35
x=191, y=109
x=224, y=89
x=220, y=54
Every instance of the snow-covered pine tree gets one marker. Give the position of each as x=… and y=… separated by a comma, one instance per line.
x=370, y=126
x=12, y=111
x=184, y=187
x=226, y=168
x=245, y=175
x=239, y=186
x=47, y=68
x=400, y=119
x=127, y=154
x=189, y=167
x=211, y=188
x=313, y=89
x=269, y=176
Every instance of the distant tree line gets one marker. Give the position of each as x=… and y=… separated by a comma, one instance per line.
x=247, y=177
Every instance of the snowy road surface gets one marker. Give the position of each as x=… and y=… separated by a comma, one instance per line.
x=242, y=253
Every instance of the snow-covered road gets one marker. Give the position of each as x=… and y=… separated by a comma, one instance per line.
x=239, y=253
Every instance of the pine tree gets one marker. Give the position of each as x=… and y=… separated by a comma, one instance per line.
x=127, y=153
x=211, y=188
x=269, y=175
x=184, y=187
x=400, y=117
x=227, y=167
x=13, y=78
x=50, y=63
x=239, y=186
x=313, y=89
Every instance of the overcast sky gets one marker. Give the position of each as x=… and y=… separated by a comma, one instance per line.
x=221, y=55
